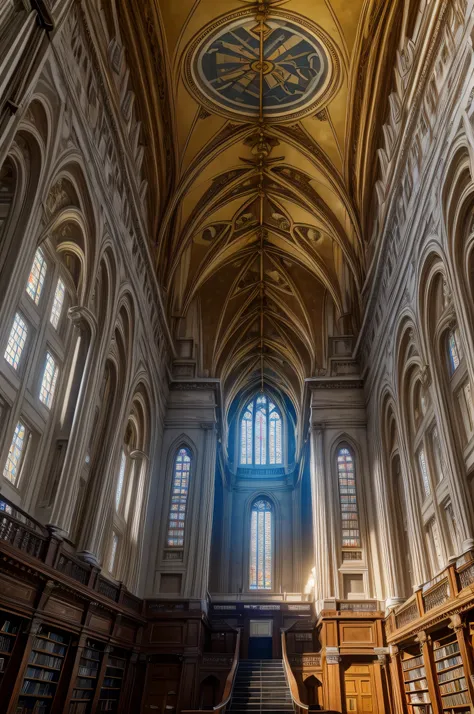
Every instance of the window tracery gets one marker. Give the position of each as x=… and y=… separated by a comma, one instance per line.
x=350, y=527
x=261, y=546
x=261, y=433
x=179, y=499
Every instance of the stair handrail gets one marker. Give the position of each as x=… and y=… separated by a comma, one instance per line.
x=290, y=677
x=229, y=682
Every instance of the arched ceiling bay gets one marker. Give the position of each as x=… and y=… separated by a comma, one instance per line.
x=260, y=249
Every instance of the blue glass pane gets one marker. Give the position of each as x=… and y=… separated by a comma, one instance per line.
x=260, y=575
x=179, y=499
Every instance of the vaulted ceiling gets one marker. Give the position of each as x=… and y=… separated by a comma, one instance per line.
x=269, y=116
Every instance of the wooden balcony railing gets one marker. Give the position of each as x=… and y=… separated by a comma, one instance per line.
x=22, y=532
x=229, y=684
x=300, y=707
x=439, y=591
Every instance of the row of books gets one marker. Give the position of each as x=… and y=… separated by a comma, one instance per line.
x=456, y=685
x=453, y=699
x=10, y=627
x=442, y=652
x=40, y=644
x=446, y=663
x=418, y=684
x=413, y=662
x=37, y=673
x=452, y=674
x=2, y=665
x=419, y=698
x=5, y=643
x=92, y=654
x=116, y=662
x=107, y=706
x=78, y=707
x=82, y=693
x=38, y=688
x=56, y=636
x=45, y=660
x=87, y=671
x=38, y=707
x=415, y=674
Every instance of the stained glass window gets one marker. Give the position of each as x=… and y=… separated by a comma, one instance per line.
x=121, y=478
x=348, y=499
x=424, y=472
x=48, y=383
x=179, y=499
x=15, y=455
x=275, y=436
x=113, y=552
x=261, y=545
x=246, y=436
x=58, y=302
x=16, y=341
x=34, y=286
x=261, y=433
x=454, y=348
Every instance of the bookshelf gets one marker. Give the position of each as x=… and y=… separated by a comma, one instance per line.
x=450, y=675
x=43, y=671
x=9, y=629
x=113, y=681
x=415, y=682
x=87, y=677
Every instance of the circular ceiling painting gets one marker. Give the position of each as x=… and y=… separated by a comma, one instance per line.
x=224, y=68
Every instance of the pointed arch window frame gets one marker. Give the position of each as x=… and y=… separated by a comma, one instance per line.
x=267, y=424
x=179, y=497
x=348, y=497
x=261, y=545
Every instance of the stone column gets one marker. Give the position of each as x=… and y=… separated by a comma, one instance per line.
x=66, y=496
x=319, y=497
x=200, y=563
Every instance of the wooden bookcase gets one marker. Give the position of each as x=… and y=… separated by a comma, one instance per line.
x=451, y=677
x=114, y=678
x=45, y=665
x=415, y=683
x=9, y=630
x=86, y=679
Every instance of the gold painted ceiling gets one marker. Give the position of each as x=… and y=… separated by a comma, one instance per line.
x=263, y=122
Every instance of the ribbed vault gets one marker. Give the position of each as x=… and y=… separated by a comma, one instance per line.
x=260, y=248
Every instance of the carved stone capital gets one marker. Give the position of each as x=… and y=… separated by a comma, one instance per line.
x=82, y=318
x=138, y=455
x=423, y=638
x=332, y=655
x=456, y=622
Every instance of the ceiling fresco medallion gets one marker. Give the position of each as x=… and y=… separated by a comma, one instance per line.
x=300, y=67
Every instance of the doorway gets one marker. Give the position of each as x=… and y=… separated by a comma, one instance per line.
x=360, y=689
x=261, y=639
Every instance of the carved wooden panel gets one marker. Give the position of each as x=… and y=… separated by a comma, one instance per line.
x=357, y=634
x=167, y=634
x=64, y=609
x=16, y=590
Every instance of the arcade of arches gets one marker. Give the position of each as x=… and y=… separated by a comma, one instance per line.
x=236, y=356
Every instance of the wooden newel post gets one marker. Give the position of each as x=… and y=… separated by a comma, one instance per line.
x=426, y=651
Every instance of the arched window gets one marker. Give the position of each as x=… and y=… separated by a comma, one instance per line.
x=454, y=350
x=348, y=499
x=179, y=499
x=261, y=548
x=261, y=434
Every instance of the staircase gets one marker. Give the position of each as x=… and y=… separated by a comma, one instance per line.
x=261, y=686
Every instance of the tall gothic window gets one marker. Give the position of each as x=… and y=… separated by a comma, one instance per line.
x=454, y=349
x=179, y=499
x=261, y=545
x=348, y=499
x=261, y=433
